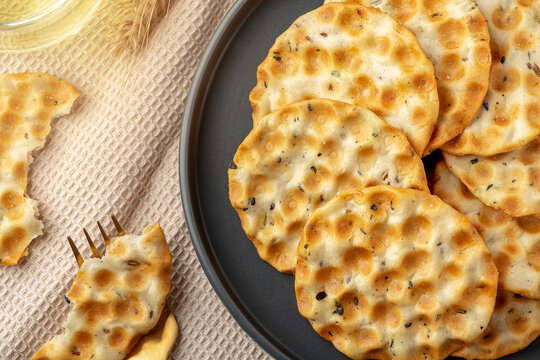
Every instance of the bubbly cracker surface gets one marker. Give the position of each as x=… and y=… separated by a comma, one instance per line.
x=358, y=55
x=513, y=242
x=510, y=182
x=454, y=36
x=300, y=157
x=116, y=299
x=515, y=324
x=388, y=273
x=28, y=103
x=510, y=116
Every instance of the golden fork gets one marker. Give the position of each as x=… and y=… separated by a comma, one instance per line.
x=95, y=251
x=158, y=342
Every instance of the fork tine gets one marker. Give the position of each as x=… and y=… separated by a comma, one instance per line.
x=91, y=243
x=76, y=252
x=103, y=234
x=118, y=227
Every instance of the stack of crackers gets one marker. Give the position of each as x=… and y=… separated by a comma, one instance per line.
x=330, y=184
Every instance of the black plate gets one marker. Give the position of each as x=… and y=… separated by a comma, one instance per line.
x=216, y=120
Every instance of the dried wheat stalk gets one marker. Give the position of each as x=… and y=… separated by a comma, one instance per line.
x=131, y=23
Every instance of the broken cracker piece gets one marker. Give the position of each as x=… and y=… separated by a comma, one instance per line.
x=28, y=103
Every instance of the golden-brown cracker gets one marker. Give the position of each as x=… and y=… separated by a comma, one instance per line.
x=454, y=36
x=157, y=344
x=354, y=54
x=510, y=182
x=515, y=324
x=301, y=156
x=116, y=299
x=388, y=273
x=510, y=116
x=28, y=103
x=513, y=242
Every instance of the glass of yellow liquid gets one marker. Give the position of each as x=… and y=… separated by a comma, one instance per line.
x=32, y=24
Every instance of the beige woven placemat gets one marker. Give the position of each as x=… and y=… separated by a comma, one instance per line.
x=117, y=154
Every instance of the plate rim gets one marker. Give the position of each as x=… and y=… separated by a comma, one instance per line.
x=216, y=47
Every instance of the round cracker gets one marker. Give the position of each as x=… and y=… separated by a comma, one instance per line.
x=513, y=242
x=510, y=116
x=454, y=35
x=515, y=324
x=358, y=55
x=510, y=182
x=300, y=157
x=387, y=273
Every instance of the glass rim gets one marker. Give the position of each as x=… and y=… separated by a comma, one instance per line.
x=7, y=25
x=44, y=28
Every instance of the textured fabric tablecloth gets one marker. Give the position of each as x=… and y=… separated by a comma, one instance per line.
x=117, y=153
